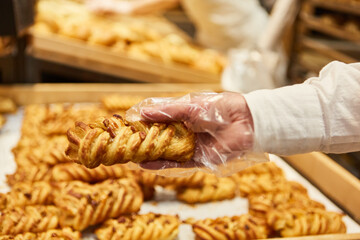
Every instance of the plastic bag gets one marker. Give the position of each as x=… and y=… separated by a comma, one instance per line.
x=223, y=126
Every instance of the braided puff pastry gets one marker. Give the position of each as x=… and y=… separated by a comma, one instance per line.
x=263, y=168
x=54, y=234
x=231, y=228
x=113, y=140
x=30, y=173
x=120, y=102
x=23, y=194
x=72, y=171
x=83, y=205
x=225, y=188
x=197, y=179
x=255, y=184
x=261, y=204
x=140, y=227
x=29, y=219
x=2, y=121
x=293, y=222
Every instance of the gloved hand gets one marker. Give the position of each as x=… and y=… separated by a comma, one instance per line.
x=222, y=123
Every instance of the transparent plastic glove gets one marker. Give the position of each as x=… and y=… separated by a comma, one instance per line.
x=222, y=123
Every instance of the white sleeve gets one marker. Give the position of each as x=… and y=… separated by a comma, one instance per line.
x=322, y=114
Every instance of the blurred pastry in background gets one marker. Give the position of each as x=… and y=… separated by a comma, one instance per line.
x=2, y=121
x=7, y=105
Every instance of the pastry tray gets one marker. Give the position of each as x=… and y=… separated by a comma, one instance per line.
x=165, y=201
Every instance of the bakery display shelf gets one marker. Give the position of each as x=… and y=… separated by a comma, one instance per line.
x=316, y=24
x=347, y=6
x=325, y=50
x=75, y=53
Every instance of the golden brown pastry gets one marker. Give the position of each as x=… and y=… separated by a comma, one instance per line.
x=242, y=227
x=29, y=219
x=49, y=151
x=225, y=188
x=263, y=168
x=293, y=222
x=120, y=102
x=30, y=173
x=140, y=227
x=296, y=196
x=23, y=194
x=255, y=184
x=7, y=105
x=72, y=171
x=60, y=117
x=2, y=121
x=54, y=234
x=197, y=179
x=83, y=205
x=113, y=140
x=30, y=130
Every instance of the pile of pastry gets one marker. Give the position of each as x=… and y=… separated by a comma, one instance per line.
x=141, y=37
x=54, y=198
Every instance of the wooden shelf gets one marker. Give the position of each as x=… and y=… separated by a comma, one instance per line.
x=316, y=24
x=75, y=53
x=350, y=6
x=326, y=50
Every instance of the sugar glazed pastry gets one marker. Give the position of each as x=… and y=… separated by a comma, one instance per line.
x=120, y=102
x=29, y=219
x=83, y=205
x=54, y=234
x=2, y=121
x=140, y=227
x=224, y=188
x=113, y=140
x=243, y=227
x=24, y=194
x=294, y=222
x=7, y=105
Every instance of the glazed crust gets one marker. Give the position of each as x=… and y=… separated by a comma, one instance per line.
x=197, y=179
x=72, y=171
x=120, y=102
x=83, y=205
x=295, y=196
x=23, y=194
x=29, y=219
x=141, y=227
x=241, y=227
x=54, y=234
x=7, y=105
x=2, y=121
x=293, y=222
x=113, y=140
x=224, y=188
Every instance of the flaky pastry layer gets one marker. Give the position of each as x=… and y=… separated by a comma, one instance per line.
x=141, y=227
x=113, y=140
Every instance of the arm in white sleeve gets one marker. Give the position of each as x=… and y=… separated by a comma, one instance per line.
x=322, y=114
